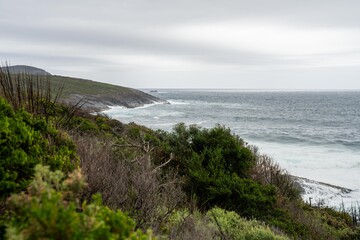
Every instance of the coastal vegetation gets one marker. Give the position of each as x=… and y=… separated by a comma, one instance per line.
x=69, y=174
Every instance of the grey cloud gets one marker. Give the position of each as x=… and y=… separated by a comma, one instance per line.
x=144, y=12
x=141, y=27
x=137, y=42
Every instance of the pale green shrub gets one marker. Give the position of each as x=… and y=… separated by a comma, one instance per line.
x=50, y=209
x=232, y=226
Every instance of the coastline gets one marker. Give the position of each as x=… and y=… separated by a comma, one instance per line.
x=95, y=103
x=323, y=194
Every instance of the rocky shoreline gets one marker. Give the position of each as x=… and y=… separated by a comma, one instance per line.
x=323, y=194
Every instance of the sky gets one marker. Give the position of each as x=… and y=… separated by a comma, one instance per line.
x=235, y=44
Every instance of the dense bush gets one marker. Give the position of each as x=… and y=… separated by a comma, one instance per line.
x=235, y=157
x=215, y=187
x=339, y=224
x=232, y=226
x=51, y=210
x=25, y=141
x=185, y=225
x=218, y=224
x=217, y=165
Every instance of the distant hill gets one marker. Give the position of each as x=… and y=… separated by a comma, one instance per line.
x=96, y=96
x=27, y=69
x=99, y=96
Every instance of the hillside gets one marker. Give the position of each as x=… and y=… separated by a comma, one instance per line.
x=99, y=96
x=95, y=96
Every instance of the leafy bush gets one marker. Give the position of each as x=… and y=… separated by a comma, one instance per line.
x=215, y=187
x=339, y=224
x=185, y=225
x=51, y=210
x=235, y=157
x=216, y=164
x=218, y=224
x=232, y=226
x=25, y=141
x=83, y=125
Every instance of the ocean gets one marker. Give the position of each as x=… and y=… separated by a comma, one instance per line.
x=312, y=134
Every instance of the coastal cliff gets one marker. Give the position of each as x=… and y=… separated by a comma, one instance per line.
x=96, y=96
x=93, y=96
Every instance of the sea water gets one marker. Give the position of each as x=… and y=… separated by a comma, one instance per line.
x=312, y=134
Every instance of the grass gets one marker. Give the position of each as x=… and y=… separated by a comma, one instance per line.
x=86, y=87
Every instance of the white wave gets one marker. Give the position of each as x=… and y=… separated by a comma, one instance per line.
x=176, y=102
x=114, y=108
x=150, y=105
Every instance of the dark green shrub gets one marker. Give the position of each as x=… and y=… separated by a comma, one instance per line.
x=232, y=155
x=185, y=141
x=215, y=187
x=216, y=164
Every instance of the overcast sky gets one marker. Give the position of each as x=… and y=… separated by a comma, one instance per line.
x=257, y=44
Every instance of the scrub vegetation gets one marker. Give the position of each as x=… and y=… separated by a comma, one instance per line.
x=69, y=174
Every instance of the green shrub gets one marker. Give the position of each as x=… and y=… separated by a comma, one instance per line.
x=235, y=156
x=51, y=210
x=232, y=226
x=227, y=190
x=83, y=125
x=192, y=141
x=25, y=141
x=339, y=224
x=216, y=164
x=185, y=225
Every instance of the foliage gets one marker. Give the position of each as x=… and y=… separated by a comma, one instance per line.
x=185, y=141
x=145, y=173
x=229, y=191
x=25, y=141
x=216, y=164
x=51, y=210
x=185, y=225
x=267, y=172
x=132, y=183
x=217, y=224
x=232, y=226
x=339, y=224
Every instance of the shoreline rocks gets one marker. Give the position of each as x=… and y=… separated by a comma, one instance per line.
x=98, y=103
